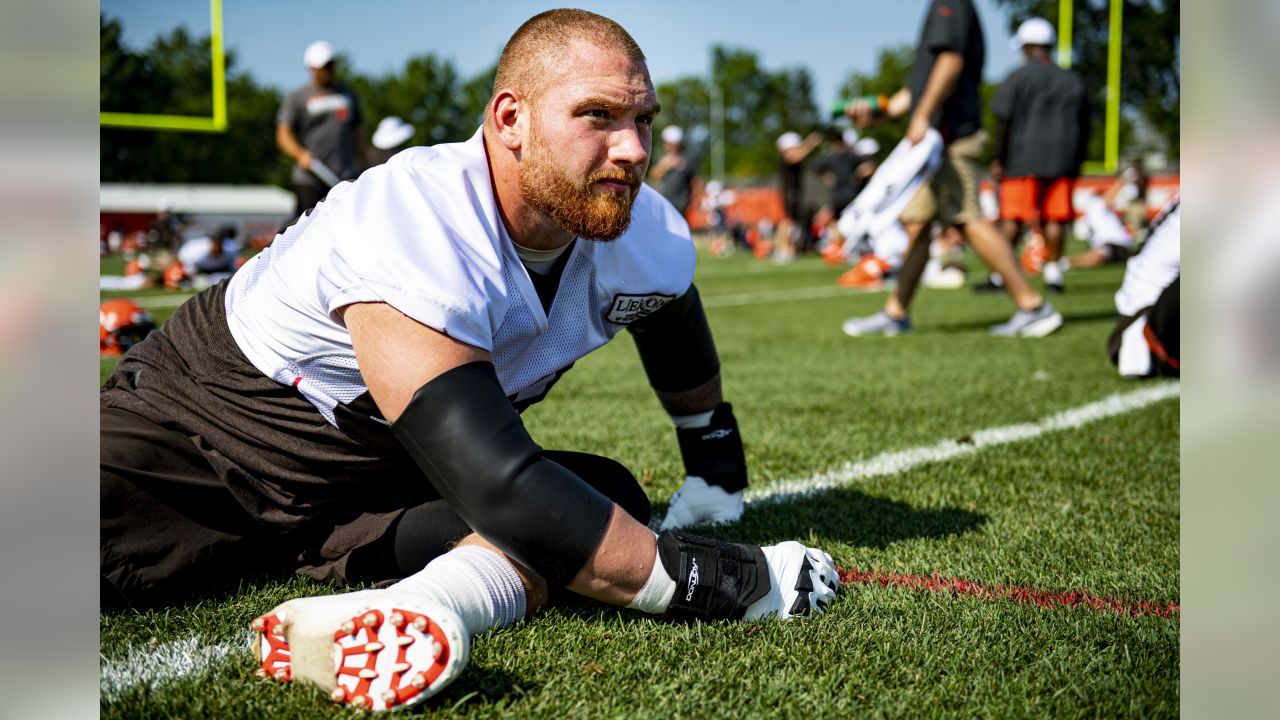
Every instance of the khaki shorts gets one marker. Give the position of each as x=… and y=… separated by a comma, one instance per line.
x=952, y=195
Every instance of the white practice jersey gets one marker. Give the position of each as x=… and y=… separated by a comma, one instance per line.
x=422, y=233
x=1099, y=226
x=1157, y=265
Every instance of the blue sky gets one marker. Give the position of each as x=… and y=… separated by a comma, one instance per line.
x=830, y=38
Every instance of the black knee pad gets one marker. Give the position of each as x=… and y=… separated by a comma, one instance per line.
x=715, y=580
x=610, y=477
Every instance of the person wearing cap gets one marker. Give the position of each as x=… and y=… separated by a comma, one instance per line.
x=390, y=137
x=165, y=231
x=793, y=151
x=673, y=174
x=942, y=93
x=1042, y=120
x=320, y=126
x=839, y=170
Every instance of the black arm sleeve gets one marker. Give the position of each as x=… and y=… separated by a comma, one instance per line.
x=675, y=345
x=463, y=432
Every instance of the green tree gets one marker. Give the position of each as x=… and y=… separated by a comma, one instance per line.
x=759, y=105
x=1150, y=62
x=172, y=76
x=430, y=95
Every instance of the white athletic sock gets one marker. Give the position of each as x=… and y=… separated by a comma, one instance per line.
x=1053, y=273
x=477, y=583
x=655, y=596
x=697, y=420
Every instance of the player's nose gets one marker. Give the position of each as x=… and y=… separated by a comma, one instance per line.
x=630, y=146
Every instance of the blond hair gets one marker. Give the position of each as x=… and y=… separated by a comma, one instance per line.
x=533, y=50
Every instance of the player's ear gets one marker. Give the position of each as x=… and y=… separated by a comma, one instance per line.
x=510, y=114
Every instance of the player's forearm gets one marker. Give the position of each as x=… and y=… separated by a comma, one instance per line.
x=621, y=563
x=942, y=80
x=899, y=103
x=679, y=356
x=288, y=144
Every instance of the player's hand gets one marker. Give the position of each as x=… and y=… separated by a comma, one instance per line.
x=861, y=113
x=917, y=128
x=697, y=503
x=304, y=160
x=997, y=170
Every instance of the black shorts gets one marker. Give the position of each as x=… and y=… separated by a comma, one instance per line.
x=171, y=531
x=213, y=473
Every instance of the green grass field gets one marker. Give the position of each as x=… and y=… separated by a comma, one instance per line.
x=1092, y=507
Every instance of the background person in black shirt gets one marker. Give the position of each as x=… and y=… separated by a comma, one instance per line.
x=839, y=170
x=942, y=92
x=1042, y=120
x=673, y=174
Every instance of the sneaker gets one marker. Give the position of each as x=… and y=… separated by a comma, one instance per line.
x=1053, y=280
x=802, y=580
x=990, y=285
x=697, y=503
x=1030, y=323
x=878, y=324
x=373, y=649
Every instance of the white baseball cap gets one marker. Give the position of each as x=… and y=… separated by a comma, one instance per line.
x=392, y=132
x=788, y=140
x=318, y=54
x=866, y=147
x=672, y=134
x=1036, y=31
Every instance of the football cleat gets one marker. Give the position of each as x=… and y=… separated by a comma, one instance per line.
x=833, y=253
x=1034, y=256
x=373, y=649
x=698, y=503
x=868, y=274
x=802, y=581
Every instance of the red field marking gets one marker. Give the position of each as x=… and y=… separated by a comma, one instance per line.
x=1020, y=595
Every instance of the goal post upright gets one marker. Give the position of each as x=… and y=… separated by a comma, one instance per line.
x=217, y=122
x=1115, y=34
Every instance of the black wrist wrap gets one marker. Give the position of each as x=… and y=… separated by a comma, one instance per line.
x=714, y=453
x=715, y=580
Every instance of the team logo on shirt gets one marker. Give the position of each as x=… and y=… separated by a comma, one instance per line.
x=335, y=103
x=626, y=309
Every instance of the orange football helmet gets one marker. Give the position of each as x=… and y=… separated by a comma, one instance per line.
x=121, y=325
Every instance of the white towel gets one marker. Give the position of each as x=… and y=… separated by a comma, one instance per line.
x=895, y=182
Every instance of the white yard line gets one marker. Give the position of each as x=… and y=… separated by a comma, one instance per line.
x=771, y=296
x=159, y=665
x=900, y=461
